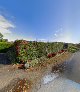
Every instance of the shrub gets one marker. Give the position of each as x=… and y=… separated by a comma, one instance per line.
x=4, y=46
x=33, y=62
x=23, y=51
x=73, y=49
x=17, y=53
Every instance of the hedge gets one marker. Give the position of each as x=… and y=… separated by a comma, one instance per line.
x=4, y=46
x=23, y=51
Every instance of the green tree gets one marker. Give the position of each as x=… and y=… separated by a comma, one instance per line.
x=1, y=36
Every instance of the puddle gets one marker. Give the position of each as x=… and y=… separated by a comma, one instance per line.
x=48, y=78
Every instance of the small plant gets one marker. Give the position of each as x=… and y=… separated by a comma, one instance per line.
x=73, y=49
x=33, y=62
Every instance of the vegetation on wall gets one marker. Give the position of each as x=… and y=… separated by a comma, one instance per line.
x=32, y=52
x=24, y=51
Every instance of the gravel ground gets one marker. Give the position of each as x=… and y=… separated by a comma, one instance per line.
x=10, y=75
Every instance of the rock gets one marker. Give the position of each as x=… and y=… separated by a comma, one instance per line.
x=26, y=65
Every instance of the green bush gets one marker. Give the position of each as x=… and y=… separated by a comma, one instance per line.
x=33, y=62
x=23, y=51
x=3, y=40
x=4, y=46
x=73, y=49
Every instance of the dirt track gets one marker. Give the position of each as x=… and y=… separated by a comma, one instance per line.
x=8, y=74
